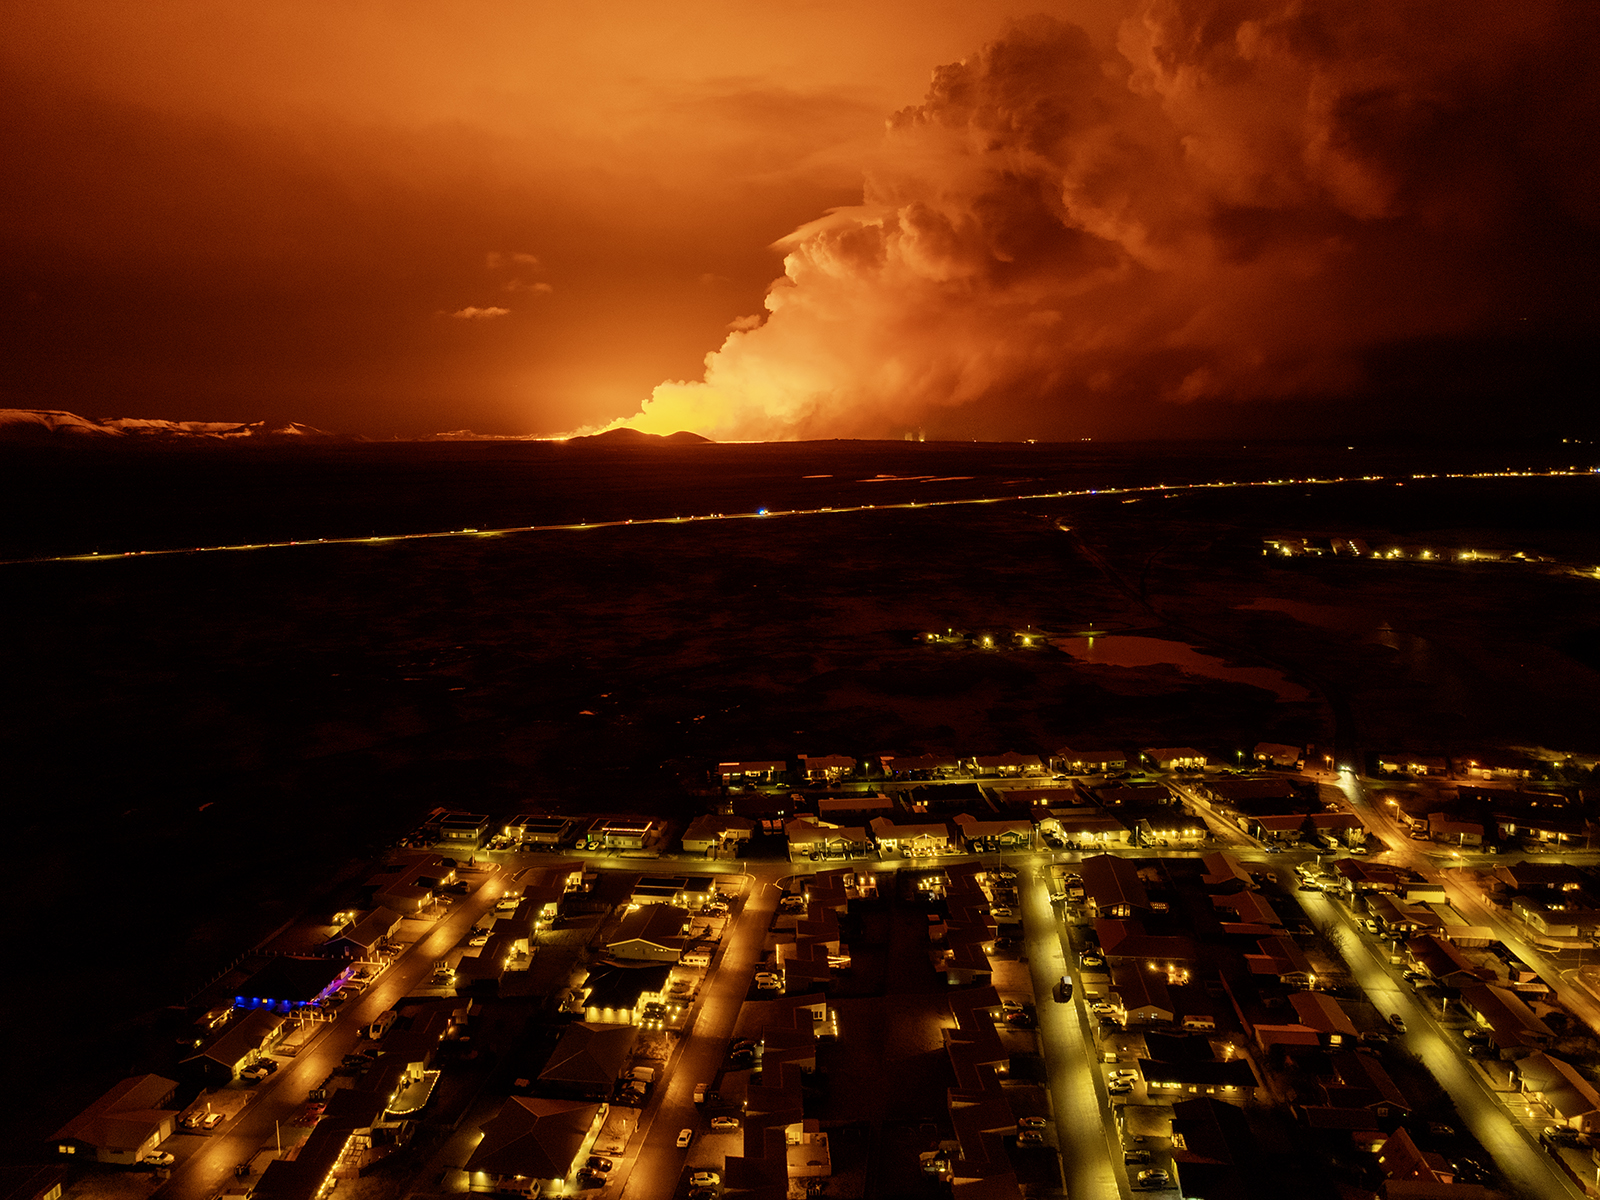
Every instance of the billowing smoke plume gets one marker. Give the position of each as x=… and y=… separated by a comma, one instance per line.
x=1241, y=199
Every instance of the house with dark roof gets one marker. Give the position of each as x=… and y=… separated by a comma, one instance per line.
x=533, y=1144
x=288, y=982
x=1008, y=764
x=1512, y=1025
x=587, y=1061
x=826, y=768
x=122, y=1126
x=654, y=932
x=1088, y=762
x=1112, y=887
x=236, y=1047
x=1568, y=1097
x=361, y=938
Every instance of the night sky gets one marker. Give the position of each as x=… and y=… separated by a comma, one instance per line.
x=990, y=220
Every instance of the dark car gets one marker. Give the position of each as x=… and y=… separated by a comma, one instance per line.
x=596, y=1163
x=1020, y=1020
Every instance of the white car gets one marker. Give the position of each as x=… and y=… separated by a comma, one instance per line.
x=685, y=1136
x=703, y=1179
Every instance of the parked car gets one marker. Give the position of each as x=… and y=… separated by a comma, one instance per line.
x=1154, y=1177
x=1030, y=1137
x=704, y=1179
x=1092, y=960
x=1031, y=1123
x=685, y=1136
x=724, y=1124
x=1120, y=1088
x=1134, y=1157
x=1398, y=1022
x=1124, y=1073
x=158, y=1158
x=596, y=1163
x=212, y=1119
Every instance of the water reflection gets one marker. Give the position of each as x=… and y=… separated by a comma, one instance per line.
x=1123, y=650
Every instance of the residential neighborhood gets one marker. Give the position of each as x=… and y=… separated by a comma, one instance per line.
x=1142, y=970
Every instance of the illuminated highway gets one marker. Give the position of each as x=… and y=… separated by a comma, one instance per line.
x=1134, y=492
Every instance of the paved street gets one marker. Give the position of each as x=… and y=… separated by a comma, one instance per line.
x=208, y=1169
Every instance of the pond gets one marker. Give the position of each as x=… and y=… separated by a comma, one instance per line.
x=1128, y=650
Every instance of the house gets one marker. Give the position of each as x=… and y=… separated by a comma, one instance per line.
x=1490, y=764
x=1442, y=827
x=1510, y=1022
x=1005, y=834
x=758, y=771
x=1556, y=923
x=339, y=1145
x=1406, y=763
x=123, y=1125
x=622, y=833
x=1442, y=961
x=711, y=831
x=1112, y=887
x=236, y=1047
x=463, y=831
x=814, y=840
x=919, y=766
x=1088, y=762
x=1399, y=1158
x=545, y=831
x=912, y=841
x=289, y=982
x=1570, y=1098
x=826, y=768
x=587, y=1061
x=534, y=1144
x=361, y=939
x=1141, y=995
x=654, y=932
x=1174, y=758
x=616, y=993
x=1324, y=1016
x=1274, y=754
x=1082, y=826
x=1008, y=764
x=409, y=887
x=1546, y=877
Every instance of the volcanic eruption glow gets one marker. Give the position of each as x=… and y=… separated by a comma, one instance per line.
x=1232, y=203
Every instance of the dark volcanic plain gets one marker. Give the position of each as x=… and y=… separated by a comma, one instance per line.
x=195, y=743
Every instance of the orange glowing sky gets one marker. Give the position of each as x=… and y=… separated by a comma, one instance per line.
x=404, y=218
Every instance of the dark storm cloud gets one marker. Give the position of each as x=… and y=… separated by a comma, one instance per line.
x=1238, y=201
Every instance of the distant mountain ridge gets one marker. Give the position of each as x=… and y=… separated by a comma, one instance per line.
x=51, y=425
x=45, y=426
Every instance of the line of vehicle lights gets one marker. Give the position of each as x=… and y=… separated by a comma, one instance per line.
x=1137, y=491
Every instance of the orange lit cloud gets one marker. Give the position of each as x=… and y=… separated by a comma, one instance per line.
x=1231, y=202
x=473, y=313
